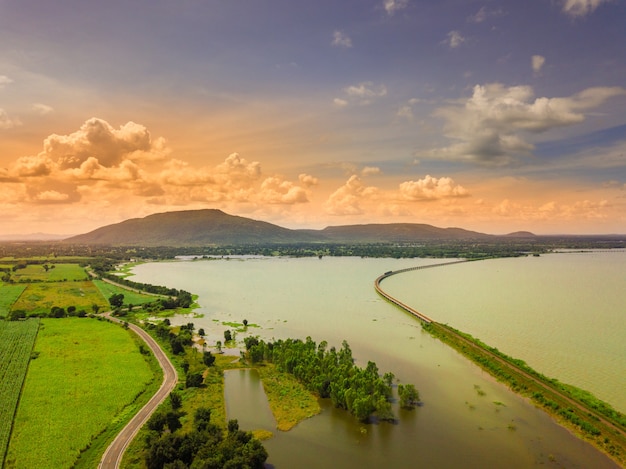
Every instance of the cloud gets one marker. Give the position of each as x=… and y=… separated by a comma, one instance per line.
x=406, y=110
x=431, y=188
x=341, y=39
x=97, y=138
x=51, y=197
x=42, y=109
x=5, y=80
x=362, y=93
x=7, y=122
x=492, y=125
x=454, y=40
x=307, y=180
x=483, y=14
x=275, y=190
x=579, y=8
x=370, y=170
x=391, y=6
x=537, y=62
x=551, y=211
x=348, y=198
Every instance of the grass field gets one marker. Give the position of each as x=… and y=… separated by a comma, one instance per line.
x=130, y=297
x=41, y=297
x=86, y=378
x=16, y=343
x=59, y=273
x=8, y=295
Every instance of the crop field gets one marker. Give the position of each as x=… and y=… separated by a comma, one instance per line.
x=41, y=297
x=16, y=343
x=86, y=378
x=130, y=297
x=57, y=273
x=8, y=295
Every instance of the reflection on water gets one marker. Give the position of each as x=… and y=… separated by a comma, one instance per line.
x=333, y=299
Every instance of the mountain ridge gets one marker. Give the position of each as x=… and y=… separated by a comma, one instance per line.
x=215, y=227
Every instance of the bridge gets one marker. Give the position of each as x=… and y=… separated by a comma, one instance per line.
x=422, y=317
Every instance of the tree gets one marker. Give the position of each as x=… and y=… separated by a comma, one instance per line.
x=95, y=308
x=175, y=400
x=208, y=358
x=194, y=380
x=218, y=346
x=227, y=335
x=116, y=300
x=409, y=396
x=201, y=331
x=245, y=322
x=202, y=418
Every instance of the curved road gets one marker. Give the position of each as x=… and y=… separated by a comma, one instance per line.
x=112, y=457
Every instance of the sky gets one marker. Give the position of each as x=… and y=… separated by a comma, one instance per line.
x=494, y=116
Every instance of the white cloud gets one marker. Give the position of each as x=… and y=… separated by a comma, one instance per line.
x=97, y=138
x=537, y=62
x=391, y=6
x=42, y=109
x=275, y=190
x=341, y=39
x=370, y=170
x=406, y=110
x=454, y=40
x=578, y=8
x=347, y=200
x=362, y=93
x=307, y=180
x=5, y=80
x=490, y=125
x=431, y=188
x=7, y=122
x=483, y=14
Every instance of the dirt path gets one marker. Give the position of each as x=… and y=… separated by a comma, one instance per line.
x=112, y=457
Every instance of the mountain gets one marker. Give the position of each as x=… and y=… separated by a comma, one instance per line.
x=214, y=227
x=32, y=237
x=396, y=233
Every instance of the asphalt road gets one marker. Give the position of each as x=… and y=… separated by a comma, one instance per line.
x=112, y=457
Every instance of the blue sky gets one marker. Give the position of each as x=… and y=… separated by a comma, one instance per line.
x=490, y=115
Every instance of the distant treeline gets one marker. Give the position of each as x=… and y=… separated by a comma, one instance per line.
x=181, y=298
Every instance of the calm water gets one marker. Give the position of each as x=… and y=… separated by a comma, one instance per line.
x=333, y=299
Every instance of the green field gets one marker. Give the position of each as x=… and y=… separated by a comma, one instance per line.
x=16, y=343
x=41, y=297
x=8, y=295
x=86, y=379
x=130, y=297
x=55, y=273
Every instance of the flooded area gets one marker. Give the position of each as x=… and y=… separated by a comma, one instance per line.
x=467, y=419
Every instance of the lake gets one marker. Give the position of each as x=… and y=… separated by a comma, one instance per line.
x=467, y=419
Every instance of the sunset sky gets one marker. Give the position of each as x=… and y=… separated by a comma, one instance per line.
x=495, y=116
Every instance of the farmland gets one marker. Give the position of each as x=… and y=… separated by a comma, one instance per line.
x=8, y=295
x=130, y=297
x=16, y=344
x=39, y=298
x=69, y=385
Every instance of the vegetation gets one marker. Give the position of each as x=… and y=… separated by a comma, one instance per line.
x=39, y=298
x=8, y=295
x=330, y=374
x=130, y=297
x=16, y=344
x=69, y=385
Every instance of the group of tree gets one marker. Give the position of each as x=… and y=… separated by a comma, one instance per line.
x=174, y=298
x=55, y=312
x=332, y=374
x=206, y=446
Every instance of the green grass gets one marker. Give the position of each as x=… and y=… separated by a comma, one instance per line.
x=41, y=297
x=87, y=378
x=130, y=297
x=8, y=295
x=59, y=273
x=16, y=343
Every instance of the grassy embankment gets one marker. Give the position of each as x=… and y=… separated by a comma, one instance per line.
x=16, y=345
x=89, y=377
x=588, y=417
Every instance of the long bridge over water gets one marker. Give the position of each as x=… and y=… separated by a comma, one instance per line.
x=407, y=308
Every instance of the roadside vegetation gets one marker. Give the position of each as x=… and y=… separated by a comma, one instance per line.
x=89, y=376
x=16, y=345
